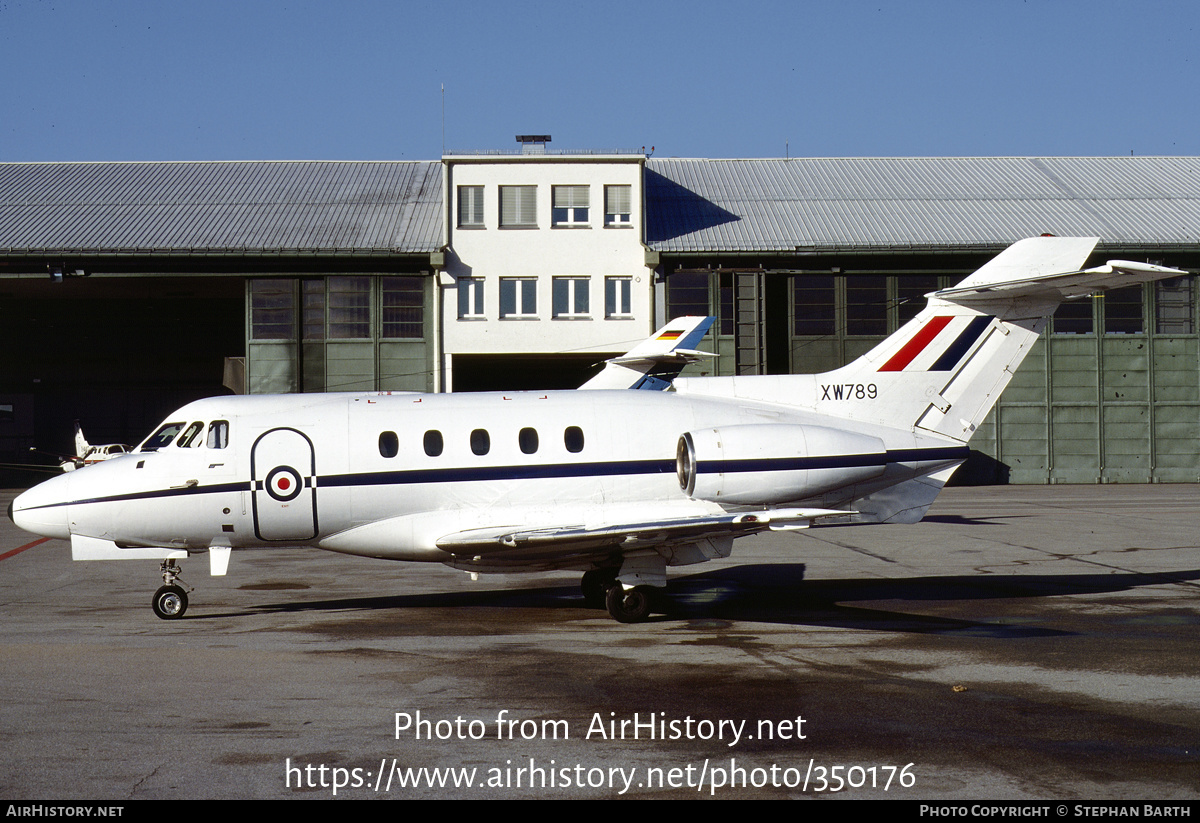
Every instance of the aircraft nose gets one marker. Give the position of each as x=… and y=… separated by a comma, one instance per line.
x=44, y=508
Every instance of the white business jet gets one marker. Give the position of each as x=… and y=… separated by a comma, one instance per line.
x=616, y=483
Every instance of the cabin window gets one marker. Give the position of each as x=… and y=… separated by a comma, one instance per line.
x=433, y=443
x=573, y=438
x=162, y=437
x=481, y=441
x=528, y=440
x=191, y=437
x=218, y=434
x=389, y=444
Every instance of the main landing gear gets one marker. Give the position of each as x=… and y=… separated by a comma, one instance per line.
x=601, y=590
x=170, y=601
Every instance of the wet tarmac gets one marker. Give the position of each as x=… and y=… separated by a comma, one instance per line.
x=1023, y=642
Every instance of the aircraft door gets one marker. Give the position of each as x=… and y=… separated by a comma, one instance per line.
x=283, y=467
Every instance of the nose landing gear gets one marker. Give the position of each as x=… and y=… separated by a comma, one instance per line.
x=170, y=601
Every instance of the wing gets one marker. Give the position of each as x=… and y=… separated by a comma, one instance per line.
x=514, y=540
x=507, y=549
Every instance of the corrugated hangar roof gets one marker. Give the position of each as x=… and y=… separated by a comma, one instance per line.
x=918, y=203
x=221, y=207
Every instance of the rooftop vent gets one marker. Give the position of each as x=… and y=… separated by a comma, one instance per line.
x=533, y=143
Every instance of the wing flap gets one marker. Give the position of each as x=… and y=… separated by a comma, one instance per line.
x=630, y=536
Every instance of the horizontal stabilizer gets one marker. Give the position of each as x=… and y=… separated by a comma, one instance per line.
x=657, y=360
x=1065, y=286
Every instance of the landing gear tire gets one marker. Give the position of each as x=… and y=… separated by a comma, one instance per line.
x=628, y=606
x=170, y=602
x=595, y=585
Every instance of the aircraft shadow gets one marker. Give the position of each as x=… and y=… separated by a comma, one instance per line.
x=959, y=520
x=779, y=594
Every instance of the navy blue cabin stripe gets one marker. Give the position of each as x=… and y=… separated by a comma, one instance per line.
x=841, y=461
x=959, y=347
x=538, y=472
x=560, y=470
x=183, y=491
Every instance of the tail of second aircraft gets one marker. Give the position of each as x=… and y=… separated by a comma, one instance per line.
x=944, y=370
x=81, y=444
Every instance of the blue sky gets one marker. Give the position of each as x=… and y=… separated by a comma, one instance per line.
x=262, y=79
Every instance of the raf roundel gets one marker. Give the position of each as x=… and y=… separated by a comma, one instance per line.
x=284, y=483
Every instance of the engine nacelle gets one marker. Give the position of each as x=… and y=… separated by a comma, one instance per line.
x=772, y=463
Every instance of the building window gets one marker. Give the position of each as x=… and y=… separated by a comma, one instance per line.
x=910, y=295
x=687, y=295
x=470, y=298
x=725, y=303
x=470, y=207
x=272, y=309
x=313, y=309
x=813, y=305
x=1123, y=311
x=1074, y=317
x=570, y=206
x=518, y=207
x=403, y=307
x=617, y=205
x=616, y=296
x=570, y=297
x=1173, y=306
x=349, y=307
x=518, y=297
x=866, y=305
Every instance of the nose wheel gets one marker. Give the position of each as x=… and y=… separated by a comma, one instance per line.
x=170, y=601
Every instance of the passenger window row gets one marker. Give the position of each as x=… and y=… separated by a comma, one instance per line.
x=481, y=441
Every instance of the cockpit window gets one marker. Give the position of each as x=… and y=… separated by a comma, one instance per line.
x=162, y=437
x=191, y=437
x=218, y=434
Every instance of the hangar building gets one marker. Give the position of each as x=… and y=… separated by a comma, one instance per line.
x=127, y=289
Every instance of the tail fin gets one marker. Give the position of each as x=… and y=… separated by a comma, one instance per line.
x=657, y=360
x=944, y=370
x=81, y=444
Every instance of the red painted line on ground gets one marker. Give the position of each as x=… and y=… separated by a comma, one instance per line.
x=37, y=542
